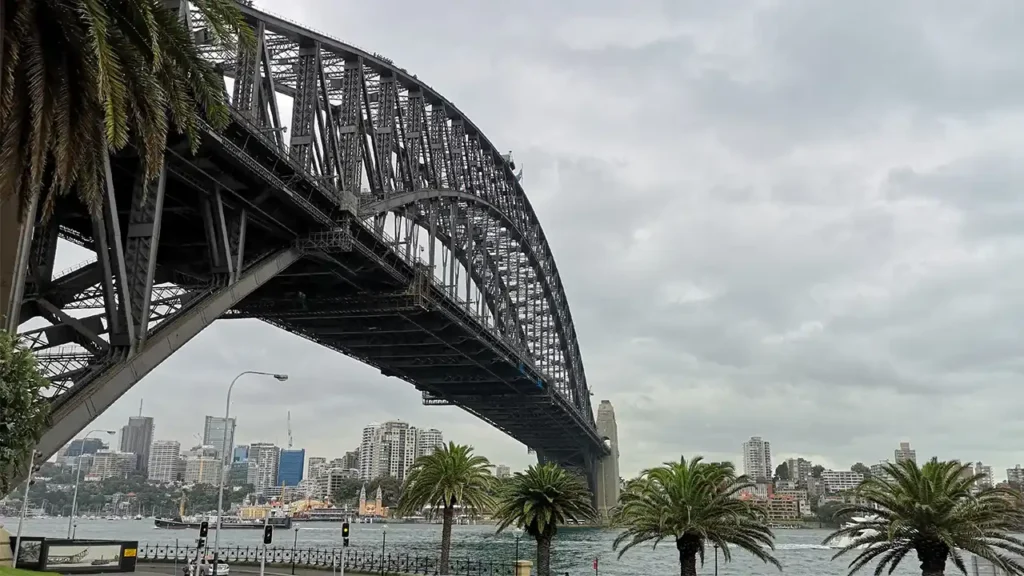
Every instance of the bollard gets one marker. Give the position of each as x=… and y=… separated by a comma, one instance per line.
x=524, y=568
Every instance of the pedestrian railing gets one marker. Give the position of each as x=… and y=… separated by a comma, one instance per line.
x=331, y=558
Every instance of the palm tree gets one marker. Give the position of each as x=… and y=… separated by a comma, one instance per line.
x=932, y=511
x=82, y=78
x=693, y=502
x=538, y=501
x=451, y=476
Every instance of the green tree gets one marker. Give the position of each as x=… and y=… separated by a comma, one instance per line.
x=860, y=467
x=817, y=470
x=693, y=502
x=782, y=471
x=346, y=490
x=390, y=490
x=81, y=79
x=23, y=409
x=538, y=501
x=451, y=476
x=932, y=511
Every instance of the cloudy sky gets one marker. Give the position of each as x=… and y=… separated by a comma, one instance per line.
x=793, y=219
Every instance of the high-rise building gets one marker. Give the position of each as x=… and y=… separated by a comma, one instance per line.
x=904, y=452
x=163, y=461
x=290, y=466
x=349, y=461
x=137, y=437
x=111, y=464
x=1015, y=475
x=757, y=459
x=240, y=454
x=502, y=471
x=799, y=470
x=263, y=459
x=427, y=441
x=388, y=449
x=986, y=480
x=317, y=466
x=220, y=434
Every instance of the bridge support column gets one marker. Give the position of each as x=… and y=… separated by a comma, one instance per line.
x=98, y=391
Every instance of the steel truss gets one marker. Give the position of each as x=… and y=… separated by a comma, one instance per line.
x=369, y=147
x=357, y=115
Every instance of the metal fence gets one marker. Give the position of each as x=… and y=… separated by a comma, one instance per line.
x=328, y=558
x=981, y=567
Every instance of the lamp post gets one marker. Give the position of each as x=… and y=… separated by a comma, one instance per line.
x=517, y=533
x=24, y=508
x=223, y=454
x=383, y=544
x=295, y=542
x=78, y=474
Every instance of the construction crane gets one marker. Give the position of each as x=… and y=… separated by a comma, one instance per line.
x=289, y=429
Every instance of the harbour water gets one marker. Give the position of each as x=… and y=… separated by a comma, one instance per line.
x=800, y=551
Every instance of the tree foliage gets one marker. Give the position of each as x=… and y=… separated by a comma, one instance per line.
x=782, y=471
x=817, y=470
x=861, y=468
x=540, y=500
x=933, y=512
x=692, y=503
x=23, y=409
x=452, y=475
x=83, y=77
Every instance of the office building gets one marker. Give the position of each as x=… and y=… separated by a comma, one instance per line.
x=757, y=459
x=137, y=437
x=904, y=452
x=220, y=434
x=349, y=461
x=263, y=459
x=163, y=461
x=427, y=441
x=111, y=464
x=203, y=466
x=240, y=454
x=81, y=446
x=290, y=467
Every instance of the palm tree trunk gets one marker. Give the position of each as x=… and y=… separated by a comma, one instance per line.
x=446, y=537
x=688, y=548
x=544, y=555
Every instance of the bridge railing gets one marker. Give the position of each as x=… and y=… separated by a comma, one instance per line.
x=329, y=558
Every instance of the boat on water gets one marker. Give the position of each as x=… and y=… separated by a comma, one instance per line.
x=233, y=523
x=845, y=541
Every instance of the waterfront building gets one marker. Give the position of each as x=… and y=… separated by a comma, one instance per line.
x=219, y=433
x=317, y=467
x=137, y=438
x=841, y=480
x=265, y=457
x=203, y=466
x=163, y=461
x=800, y=470
x=111, y=464
x=904, y=452
x=290, y=467
x=878, y=470
x=757, y=459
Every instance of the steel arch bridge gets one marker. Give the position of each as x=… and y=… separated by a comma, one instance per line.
x=380, y=223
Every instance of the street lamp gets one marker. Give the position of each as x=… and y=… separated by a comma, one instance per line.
x=24, y=507
x=518, y=533
x=78, y=474
x=223, y=454
x=383, y=544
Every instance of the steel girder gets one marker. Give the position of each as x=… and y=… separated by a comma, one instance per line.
x=357, y=112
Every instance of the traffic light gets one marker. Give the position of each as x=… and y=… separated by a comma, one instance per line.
x=204, y=528
x=344, y=534
x=268, y=534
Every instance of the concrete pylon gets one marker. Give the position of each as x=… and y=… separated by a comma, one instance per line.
x=607, y=493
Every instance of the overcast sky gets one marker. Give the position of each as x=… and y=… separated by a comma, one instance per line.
x=796, y=219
